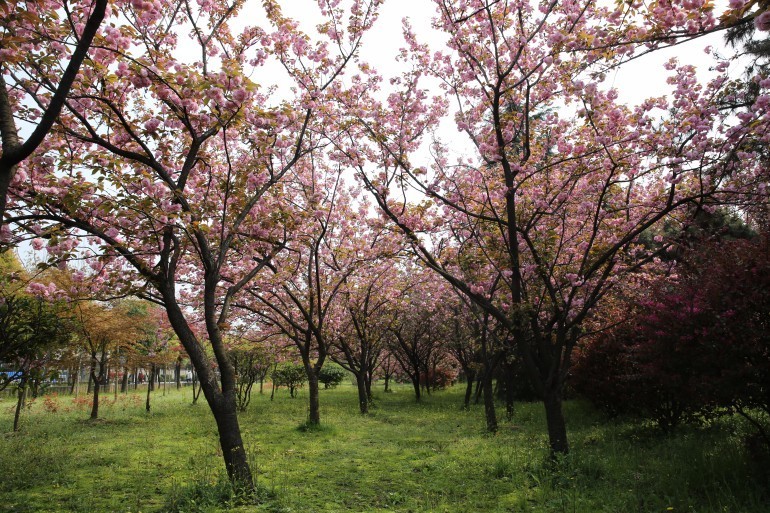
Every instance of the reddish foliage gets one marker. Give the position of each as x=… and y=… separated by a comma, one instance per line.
x=693, y=346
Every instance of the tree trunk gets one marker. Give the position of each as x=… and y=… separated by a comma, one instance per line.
x=469, y=378
x=368, y=384
x=479, y=387
x=124, y=381
x=150, y=387
x=74, y=381
x=314, y=415
x=489, y=400
x=363, y=399
x=22, y=395
x=95, y=402
x=509, y=378
x=233, y=451
x=198, y=394
x=178, y=374
x=557, y=428
x=387, y=383
x=416, y=385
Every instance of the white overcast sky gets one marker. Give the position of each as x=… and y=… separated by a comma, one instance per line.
x=636, y=81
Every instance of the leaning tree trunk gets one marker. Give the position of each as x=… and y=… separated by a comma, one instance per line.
x=21, y=399
x=221, y=400
x=233, y=451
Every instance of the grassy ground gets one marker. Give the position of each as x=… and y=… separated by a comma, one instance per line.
x=403, y=457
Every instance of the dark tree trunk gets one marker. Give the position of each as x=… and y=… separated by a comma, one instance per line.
x=233, y=451
x=557, y=428
x=314, y=415
x=387, y=383
x=124, y=381
x=219, y=391
x=509, y=378
x=489, y=400
x=469, y=378
x=363, y=398
x=74, y=380
x=479, y=387
x=150, y=387
x=178, y=374
x=95, y=400
x=21, y=399
x=416, y=385
x=197, y=394
x=97, y=380
x=368, y=384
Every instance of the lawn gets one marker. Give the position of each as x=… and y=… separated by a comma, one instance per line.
x=403, y=456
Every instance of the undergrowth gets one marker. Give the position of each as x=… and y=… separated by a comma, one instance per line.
x=403, y=456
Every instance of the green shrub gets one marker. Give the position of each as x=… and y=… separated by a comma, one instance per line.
x=331, y=375
x=290, y=375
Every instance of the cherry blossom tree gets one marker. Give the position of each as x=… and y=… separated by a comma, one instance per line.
x=20, y=21
x=165, y=173
x=564, y=178
x=302, y=298
x=368, y=298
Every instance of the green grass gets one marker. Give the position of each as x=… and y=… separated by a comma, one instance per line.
x=403, y=457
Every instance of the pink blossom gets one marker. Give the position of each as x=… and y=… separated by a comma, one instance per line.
x=762, y=22
x=152, y=124
x=240, y=95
